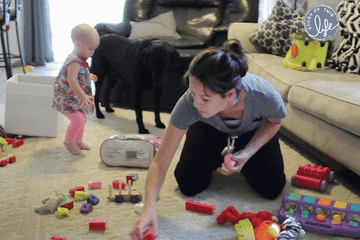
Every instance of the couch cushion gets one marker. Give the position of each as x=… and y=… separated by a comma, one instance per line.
x=336, y=102
x=160, y=26
x=282, y=78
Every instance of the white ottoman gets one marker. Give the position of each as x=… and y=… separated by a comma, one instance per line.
x=28, y=106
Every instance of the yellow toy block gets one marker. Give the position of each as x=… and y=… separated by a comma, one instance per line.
x=245, y=230
x=81, y=195
x=63, y=212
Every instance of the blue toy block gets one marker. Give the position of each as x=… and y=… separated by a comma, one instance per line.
x=86, y=208
x=93, y=199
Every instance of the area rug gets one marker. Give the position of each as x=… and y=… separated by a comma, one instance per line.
x=44, y=167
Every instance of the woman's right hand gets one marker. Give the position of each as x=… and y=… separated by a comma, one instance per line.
x=148, y=219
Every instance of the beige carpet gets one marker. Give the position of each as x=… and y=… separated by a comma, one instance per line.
x=44, y=166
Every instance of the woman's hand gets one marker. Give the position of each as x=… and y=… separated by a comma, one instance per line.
x=234, y=162
x=148, y=219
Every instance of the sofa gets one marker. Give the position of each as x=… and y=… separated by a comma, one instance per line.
x=323, y=104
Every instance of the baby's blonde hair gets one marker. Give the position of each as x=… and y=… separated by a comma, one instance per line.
x=82, y=32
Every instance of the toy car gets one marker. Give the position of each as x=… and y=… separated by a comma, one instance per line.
x=312, y=177
x=128, y=194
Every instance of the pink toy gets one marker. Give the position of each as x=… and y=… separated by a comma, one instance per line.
x=95, y=184
x=312, y=177
x=97, y=224
x=56, y=237
x=200, y=207
x=72, y=190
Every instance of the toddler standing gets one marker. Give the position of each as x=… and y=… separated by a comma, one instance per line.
x=72, y=91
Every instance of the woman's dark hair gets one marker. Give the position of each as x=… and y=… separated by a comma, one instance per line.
x=219, y=69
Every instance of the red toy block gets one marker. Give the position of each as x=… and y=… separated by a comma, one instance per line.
x=97, y=224
x=149, y=234
x=200, y=207
x=312, y=177
x=12, y=159
x=72, y=190
x=56, y=237
x=18, y=143
x=4, y=163
x=116, y=184
x=69, y=205
x=129, y=178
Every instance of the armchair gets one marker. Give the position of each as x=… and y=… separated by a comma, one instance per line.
x=188, y=25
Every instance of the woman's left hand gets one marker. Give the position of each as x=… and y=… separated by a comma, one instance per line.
x=234, y=162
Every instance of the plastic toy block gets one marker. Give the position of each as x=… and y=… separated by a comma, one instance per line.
x=18, y=143
x=340, y=204
x=149, y=234
x=116, y=184
x=200, y=207
x=86, y=208
x=63, y=212
x=10, y=140
x=312, y=177
x=325, y=202
x=294, y=196
x=97, y=224
x=95, y=184
x=4, y=163
x=129, y=178
x=93, y=199
x=56, y=237
x=245, y=230
x=81, y=195
x=69, y=205
x=72, y=190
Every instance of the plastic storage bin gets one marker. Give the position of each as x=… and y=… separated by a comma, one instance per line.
x=28, y=106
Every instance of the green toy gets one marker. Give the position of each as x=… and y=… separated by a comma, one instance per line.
x=50, y=204
x=306, y=53
x=3, y=144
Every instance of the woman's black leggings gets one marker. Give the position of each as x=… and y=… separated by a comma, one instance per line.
x=201, y=155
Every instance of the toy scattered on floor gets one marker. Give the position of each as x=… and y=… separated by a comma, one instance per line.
x=95, y=184
x=50, y=204
x=72, y=190
x=117, y=184
x=245, y=230
x=81, y=195
x=139, y=207
x=18, y=143
x=313, y=177
x=322, y=215
x=4, y=160
x=3, y=144
x=98, y=224
x=56, y=237
x=63, y=212
x=69, y=205
x=86, y=208
x=128, y=194
x=200, y=207
x=29, y=68
x=291, y=230
x=94, y=200
x=264, y=223
x=149, y=234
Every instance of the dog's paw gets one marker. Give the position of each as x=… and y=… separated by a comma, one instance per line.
x=109, y=109
x=100, y=115
x=160, y=125
x=144, y=131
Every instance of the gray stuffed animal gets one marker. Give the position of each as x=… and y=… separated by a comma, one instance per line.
x=50, y=204
x=292, y=230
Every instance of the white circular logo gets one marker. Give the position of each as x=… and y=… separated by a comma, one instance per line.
x=321, y=23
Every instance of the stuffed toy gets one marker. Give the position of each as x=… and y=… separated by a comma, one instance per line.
x=291, y=229
x=50, y=204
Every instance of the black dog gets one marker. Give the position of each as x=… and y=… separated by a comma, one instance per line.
x=143, y=63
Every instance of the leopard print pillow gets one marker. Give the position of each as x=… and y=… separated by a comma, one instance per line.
x=274, y=35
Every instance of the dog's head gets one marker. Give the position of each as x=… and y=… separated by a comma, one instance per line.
x=159, y=57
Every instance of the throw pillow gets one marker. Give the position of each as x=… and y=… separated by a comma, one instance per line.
x=160, y=26
x=274, y=35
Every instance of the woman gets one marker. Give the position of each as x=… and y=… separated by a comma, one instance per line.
x=223, y=104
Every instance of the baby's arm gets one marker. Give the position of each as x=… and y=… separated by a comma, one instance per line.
x=73, y=72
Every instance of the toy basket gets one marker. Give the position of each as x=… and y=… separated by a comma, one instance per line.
x=129, y=150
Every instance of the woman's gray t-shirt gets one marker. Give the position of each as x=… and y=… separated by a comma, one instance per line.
x=262, y=101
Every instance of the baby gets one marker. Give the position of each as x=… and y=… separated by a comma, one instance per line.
x=72, y=90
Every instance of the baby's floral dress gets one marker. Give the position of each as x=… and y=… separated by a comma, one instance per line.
x=65, y=99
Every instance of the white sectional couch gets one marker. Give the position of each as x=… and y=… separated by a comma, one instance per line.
x=323, y=105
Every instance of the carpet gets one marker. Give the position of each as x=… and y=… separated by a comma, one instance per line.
x=44, y=167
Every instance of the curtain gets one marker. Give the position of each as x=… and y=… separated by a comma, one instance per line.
x=265, y=9
x=37, y=32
